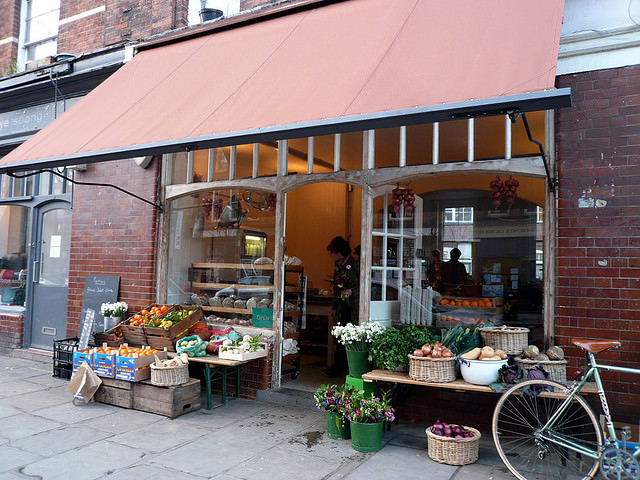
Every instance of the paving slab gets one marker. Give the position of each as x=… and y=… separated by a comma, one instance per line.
x=205, y=418
x=49, y=380
x=150, y=472
x=7, y=411
x=483, y=472
x=120, y=420
x=49, y=443
x=24, y=425
x=317, y=443
x=277, y=464
x=395, y=462
x=160, y=436
x=19, y=373
x=12, y=458
x=89, y=463
x=70, y=413
x=237, y=408
x=32, y=401
x=19, y=387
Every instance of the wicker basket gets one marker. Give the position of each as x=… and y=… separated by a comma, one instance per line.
x=454, y=451
x=169, y=376
x=511, y=340
x=557, y=369
x=436, y=370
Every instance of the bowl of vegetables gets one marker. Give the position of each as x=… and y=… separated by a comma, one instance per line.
x=480, y=366
x=453, y=444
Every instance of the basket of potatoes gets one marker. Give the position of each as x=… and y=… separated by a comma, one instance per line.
x=552, y=361
x=480, y=366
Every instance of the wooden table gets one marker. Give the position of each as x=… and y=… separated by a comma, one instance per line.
x=216, y=367
x=458, y=384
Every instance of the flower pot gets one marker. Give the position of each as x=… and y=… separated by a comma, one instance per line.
x=358, y=363
x=366, y=437
x=337, y=426
x=110, y=322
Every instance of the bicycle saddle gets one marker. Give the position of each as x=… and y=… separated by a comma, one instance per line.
x=595, y=346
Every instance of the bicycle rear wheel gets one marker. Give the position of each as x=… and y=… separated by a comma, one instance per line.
x=526, y=453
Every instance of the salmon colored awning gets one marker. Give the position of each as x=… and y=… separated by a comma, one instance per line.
x=345, y=66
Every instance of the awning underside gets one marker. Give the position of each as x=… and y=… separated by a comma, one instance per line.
x=346, y=66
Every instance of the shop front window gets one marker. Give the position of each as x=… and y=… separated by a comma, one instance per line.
x=221, y=249
x=13, y=257
x=482, y=252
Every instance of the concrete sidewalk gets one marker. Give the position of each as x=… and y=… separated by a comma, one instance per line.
x=43, y=435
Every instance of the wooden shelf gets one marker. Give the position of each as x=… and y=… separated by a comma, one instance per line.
x=267, y=266
x=234, y=286
x=458, y=384
x=244, y=311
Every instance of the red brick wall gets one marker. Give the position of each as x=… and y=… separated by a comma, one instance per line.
x=598, y=256
x=114, y=234
x=9, y=27
x=85, y=34
x=11, y=331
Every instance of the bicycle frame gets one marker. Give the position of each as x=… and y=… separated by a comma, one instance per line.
x=592, y=370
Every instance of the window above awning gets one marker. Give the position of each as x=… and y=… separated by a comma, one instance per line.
x=343, y=66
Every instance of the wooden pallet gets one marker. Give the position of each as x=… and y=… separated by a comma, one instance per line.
x=115, y=392
x=168, y=401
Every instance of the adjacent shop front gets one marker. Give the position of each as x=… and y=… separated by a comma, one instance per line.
x=340, y=119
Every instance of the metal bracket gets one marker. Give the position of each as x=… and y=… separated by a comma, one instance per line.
x=94, y=184
x=551, y=181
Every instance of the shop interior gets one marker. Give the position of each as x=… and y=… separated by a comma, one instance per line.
x=221, y=243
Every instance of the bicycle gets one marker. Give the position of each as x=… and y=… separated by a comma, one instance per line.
x=543, y=429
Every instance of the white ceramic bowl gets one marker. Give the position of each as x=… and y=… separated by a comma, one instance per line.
x=480, y=372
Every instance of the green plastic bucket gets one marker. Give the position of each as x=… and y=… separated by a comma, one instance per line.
x=337, y=426
x=366, y=437
x=358, y=363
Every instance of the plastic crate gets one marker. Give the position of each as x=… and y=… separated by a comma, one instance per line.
x=63, y=356
x=62, y=369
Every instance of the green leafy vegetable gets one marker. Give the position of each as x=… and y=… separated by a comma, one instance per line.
x=391, y=348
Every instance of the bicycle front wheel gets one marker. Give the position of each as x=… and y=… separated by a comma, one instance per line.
x=530, y=452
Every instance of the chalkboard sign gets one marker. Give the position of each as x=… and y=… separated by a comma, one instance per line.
x=98, y=289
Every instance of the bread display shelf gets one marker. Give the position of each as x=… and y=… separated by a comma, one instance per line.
x=235, y=286
x=267, y=266
x=243, y=311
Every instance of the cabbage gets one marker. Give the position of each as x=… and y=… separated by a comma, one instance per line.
x=538, y=373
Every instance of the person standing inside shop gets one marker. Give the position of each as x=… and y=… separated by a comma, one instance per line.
x=454, y=271
x=346, y=288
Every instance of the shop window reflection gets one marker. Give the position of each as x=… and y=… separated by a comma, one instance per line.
x=13, y=256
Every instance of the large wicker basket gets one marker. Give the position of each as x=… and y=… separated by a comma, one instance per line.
x=436, y=370
x=169, y=376
x=511, y=340
x=557, y=369
x=454, y=451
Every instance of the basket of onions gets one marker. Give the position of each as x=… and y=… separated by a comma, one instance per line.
x=453, y=444
x=432, y=363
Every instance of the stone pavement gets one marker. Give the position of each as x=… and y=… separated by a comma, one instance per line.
x=43, y=435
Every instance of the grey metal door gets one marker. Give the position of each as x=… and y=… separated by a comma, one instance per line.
x=50, y=274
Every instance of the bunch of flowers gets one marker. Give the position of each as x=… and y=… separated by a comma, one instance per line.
x=364, y=409
x=333, y=398
x=345, y=281
x=117, y=309
x=357, y=338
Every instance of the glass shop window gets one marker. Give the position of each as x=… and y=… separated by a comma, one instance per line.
x=13, y=256
x=446, y=256
x=40, y=29
x=221, y=248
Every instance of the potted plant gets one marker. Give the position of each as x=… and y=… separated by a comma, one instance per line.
x=391, y=348
x=333, y=399
x=366, y=418
x=113, y=313
x=356, y=340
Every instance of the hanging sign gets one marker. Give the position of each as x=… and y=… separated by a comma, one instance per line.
x=262, y=317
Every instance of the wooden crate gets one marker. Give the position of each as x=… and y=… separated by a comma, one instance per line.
x=168, y=401
x=115, y=392
x=160, y=337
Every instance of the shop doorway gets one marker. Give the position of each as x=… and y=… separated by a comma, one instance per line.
x=49, y=279
x=315, y=214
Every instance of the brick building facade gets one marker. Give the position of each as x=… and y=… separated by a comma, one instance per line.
x=597, y=269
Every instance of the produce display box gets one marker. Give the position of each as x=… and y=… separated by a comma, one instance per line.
x=79, y=357
x=168, y=401
x=160, y=337
x=242, y=355
x=135, y=335
x=136, y=369
x=115, y=392
x=467, y=302
x=114, y=337
x=104, y=364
